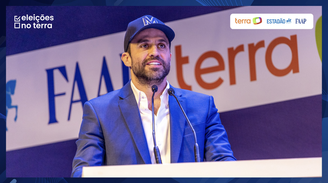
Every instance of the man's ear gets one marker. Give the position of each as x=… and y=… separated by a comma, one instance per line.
x=126, y=58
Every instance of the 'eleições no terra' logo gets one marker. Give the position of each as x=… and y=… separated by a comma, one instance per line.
x=33, y=21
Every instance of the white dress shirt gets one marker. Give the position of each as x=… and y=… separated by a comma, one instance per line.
x=162, y=123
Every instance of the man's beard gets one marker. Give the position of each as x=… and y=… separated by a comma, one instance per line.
x=152, y=76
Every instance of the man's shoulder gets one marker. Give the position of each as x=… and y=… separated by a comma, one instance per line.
x=188, y=93
x=113, y=96
x=106, y=98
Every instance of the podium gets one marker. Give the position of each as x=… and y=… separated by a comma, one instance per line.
x=299, y=167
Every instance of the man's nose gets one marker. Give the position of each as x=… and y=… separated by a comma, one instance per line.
x=153, y=51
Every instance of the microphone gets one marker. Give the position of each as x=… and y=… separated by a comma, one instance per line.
x=157, y=154
x=196, y=148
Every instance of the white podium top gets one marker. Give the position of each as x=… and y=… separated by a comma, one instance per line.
x=300, y=167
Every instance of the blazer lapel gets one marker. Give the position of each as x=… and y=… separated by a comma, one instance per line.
x=177, y=125
x=130, y=111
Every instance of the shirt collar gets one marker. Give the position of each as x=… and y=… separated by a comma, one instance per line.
x=138, y=94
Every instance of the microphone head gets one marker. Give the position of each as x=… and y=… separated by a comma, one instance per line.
x=154, y=88
x=171, y=91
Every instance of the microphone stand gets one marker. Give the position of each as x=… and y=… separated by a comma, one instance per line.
x=156, y=150
x=196, y=148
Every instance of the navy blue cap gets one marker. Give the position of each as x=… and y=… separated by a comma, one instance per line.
x=146, y=22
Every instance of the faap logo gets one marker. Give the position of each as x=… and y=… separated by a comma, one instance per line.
x=300, y=20
x=33, y=21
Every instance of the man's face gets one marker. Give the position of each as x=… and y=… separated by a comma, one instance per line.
x=150, y=56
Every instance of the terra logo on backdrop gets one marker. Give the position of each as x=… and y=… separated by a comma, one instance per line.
x=33, y=21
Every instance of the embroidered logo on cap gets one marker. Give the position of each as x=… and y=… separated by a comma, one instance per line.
x=146, y=20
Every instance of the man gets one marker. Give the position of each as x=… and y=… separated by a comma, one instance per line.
x=117, y=127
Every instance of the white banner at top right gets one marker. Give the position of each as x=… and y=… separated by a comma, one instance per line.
x=271, y=21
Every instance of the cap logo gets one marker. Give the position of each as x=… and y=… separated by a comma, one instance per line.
x=146, y=20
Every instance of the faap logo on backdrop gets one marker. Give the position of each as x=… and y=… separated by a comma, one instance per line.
x=78, y=84
x=260, y=67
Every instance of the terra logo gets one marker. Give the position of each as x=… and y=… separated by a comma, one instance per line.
x=243, y=21
x=257, y=20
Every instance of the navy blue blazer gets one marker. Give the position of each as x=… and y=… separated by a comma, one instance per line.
x=112, y=133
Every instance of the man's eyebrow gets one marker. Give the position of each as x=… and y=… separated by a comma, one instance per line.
x=142, y=40
x=146, y=39
x=163, y=40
